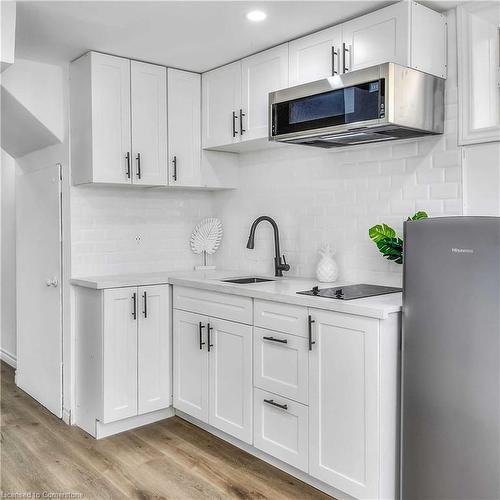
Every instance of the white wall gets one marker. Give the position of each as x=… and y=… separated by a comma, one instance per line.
x=8, y=258
x=129, y=230
x=335, y=196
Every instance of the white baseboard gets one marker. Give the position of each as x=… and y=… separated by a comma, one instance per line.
x=9, y=358
x=105, y=430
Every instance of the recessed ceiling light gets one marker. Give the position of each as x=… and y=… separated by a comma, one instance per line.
x=256, y=16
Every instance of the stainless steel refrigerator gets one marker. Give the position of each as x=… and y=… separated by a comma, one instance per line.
x=451, y=359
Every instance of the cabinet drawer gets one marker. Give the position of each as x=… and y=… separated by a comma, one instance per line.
x=281, y=317
x=281, y=364
x=214, y=304
x=281, y=432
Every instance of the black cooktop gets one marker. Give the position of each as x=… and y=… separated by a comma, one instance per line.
x=350, y=292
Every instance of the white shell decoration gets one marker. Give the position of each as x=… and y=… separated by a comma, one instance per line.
x=206, y=236
x=327, y=269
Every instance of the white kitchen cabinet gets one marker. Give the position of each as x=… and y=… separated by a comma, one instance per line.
x=221, y=101
x=119, y=354
x=315, y=56
x=281, y=364
x=405, y=33
x=281, y=428
x=344, y=403
x=184, y=127
x=153, y=348
x=149, y=123
x=235, y=98
x=230, y=378
x=190, y=364
x=101, y=146
x=8, y=35
x=118, y=121
x=123, y=356
x=261, y=73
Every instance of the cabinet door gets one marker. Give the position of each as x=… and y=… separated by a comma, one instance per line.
x=221, y=101
x=149, y=123
x=119, y=354
x=343, y=403
x=315, y=56
x=281, y=364
x=262, y=73
x=184, y=127
x=153, y=355
x=230, y=361
x=110, y=84
x=376, y=38
x=190, y=364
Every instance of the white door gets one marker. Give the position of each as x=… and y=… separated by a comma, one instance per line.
x=153, y=348
x=230, y=361
x=262, y=73
x=149, y=123
x=121, y=310
x=191, y=364
x=184, y=128
x=221, y=102
x=315, y=56
x=343, y=403
x=38, y=289
x=111, y=145
x=376, y=38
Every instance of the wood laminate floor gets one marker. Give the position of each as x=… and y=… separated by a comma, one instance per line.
x=171, y=459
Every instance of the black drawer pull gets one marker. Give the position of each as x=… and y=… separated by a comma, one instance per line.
x=201, y=335
x=134, y=305
x=273, y=403
x=209, y=329
x=145, y=297
x=281, y=341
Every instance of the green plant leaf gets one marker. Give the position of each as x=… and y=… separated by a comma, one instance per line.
x=391, y=249
x=381, y=231
x=418, y=216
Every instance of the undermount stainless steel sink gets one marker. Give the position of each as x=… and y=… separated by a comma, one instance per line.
x=246, y=281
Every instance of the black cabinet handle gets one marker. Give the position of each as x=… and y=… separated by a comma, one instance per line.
x=234, y=124
x=138, y=158
x=334, y=53
x=174, y=163
x=310, y=322
x=344, y=52
x=201, y=335
x=209, y=341
x=134, y=305
x=241, y=121
x=127, y=157
x=272, y=339
x=273, y=403
x=145, y=311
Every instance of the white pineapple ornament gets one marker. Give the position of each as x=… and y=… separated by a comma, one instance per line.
x=327, y=269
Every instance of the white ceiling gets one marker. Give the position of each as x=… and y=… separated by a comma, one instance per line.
x=190, y=35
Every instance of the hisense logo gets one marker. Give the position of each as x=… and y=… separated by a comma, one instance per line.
x=462, y=250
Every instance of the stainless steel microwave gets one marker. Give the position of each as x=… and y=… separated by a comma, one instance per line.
x=380, y=103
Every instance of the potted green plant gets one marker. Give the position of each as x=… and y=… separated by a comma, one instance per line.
x=388, y=242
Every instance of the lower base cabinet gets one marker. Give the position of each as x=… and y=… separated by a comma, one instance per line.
x=213, y=372
x=281, y=428
x=123, y=361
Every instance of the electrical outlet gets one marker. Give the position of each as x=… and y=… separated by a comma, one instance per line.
x=138, y=239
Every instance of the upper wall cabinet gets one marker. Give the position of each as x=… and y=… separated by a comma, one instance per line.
x=235, y=98
x=8, y=34
x=118, y=121
x=184, y=127
x=478, y=72
x=315, y=56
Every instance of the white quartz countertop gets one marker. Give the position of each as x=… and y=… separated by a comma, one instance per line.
x=280, y=290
